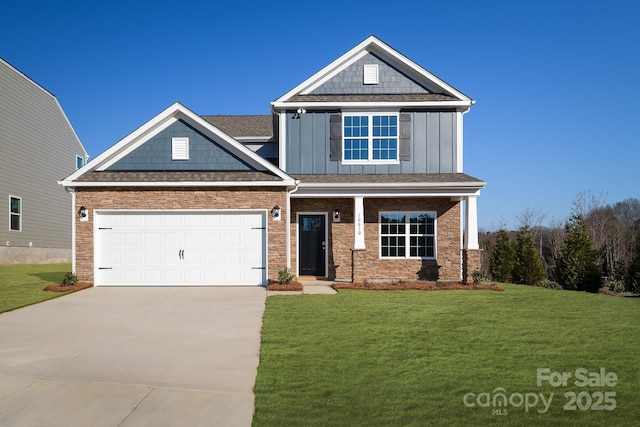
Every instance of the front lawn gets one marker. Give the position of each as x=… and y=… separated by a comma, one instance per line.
x=394, y=358
x=23, y=284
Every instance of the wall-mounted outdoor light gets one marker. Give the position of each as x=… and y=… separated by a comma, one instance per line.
x=275, y=213
x=336, y=215
x=83, y=214
x=299, y=111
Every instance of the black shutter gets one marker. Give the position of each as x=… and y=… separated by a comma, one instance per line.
x=335, y=138
x=405, y=137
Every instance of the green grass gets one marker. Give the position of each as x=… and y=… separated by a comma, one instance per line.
x=403, y=358
x=23, y=284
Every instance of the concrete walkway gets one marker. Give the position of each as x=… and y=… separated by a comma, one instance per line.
x=132, y=357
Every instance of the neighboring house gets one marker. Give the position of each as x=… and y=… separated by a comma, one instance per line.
x=38, y=147
x=356, y=175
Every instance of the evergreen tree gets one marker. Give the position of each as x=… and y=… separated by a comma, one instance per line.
x=503, y=258
x=577, y=265
x=529, y=269
x=633, y=271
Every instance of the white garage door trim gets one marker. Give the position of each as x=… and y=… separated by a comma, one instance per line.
x=194, y=247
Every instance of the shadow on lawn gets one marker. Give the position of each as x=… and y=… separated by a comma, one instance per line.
x=50, y=276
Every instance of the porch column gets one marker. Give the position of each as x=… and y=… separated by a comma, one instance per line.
x=471, y=224
x=358, y=223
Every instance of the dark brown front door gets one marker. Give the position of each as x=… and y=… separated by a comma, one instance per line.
x=312, y=245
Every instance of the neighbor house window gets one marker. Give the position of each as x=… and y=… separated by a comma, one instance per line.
x=370, y=138
x=15, y=213
x=407, y=235
x=79, y=162
x=179, y=148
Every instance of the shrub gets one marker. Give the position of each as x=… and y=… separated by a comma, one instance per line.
x=477, y=276
x=285, y=276
x=617, y=286
x=549, y=284
x=69, y=279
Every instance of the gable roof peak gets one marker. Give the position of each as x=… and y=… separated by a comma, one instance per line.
x=373, y=44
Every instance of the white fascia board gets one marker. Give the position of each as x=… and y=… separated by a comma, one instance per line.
x=372, y=105
x=474, y=184
x=326, y=72
x=284, y=183
x=328, y=193
x=161, y=121
x=115, y=149
x=371, y=44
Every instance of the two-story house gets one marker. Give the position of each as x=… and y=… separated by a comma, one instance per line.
x=356, y=175
x=38, y=146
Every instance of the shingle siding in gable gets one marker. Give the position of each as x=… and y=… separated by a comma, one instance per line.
x=204, y=154
x=350, y=80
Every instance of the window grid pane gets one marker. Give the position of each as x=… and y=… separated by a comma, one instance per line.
x=417, y=239
x=371, y=137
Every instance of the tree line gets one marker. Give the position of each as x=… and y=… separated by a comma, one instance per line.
x=598, y=245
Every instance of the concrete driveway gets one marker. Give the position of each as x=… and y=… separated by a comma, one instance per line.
x=132, y=357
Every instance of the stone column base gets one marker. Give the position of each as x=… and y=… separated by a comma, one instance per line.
x=359, y=266
x=471, y=261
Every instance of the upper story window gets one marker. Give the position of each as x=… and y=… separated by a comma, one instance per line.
x=370, y=137
x=180, y=148
x=407, y=234
x=15, y=213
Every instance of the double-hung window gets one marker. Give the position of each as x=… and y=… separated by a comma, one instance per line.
x=407, y=234
x=370, y=138
x=15, y=213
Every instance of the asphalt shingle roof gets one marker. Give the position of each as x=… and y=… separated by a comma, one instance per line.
x=414, y=178
x=177, y=176
x=408, y=97
x=243, y=126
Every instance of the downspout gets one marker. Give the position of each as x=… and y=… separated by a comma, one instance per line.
x=288, y=225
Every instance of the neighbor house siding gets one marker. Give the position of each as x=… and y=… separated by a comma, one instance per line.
x=233, y=198
x=433, y=145
x=38, y=148
x=155, y=154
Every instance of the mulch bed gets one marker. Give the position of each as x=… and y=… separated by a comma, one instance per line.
x=293, y=286
x=78, y=286
x=416, y=285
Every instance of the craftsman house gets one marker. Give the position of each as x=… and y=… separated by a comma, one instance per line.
x=38, y=146
x=357, y=174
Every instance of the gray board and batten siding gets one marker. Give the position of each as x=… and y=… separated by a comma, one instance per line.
x=38, y=147
x=204, y=154
x=433, y=145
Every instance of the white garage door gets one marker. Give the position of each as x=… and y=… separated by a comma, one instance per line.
x=180, y=248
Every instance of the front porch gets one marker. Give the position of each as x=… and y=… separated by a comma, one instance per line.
x=348, y=246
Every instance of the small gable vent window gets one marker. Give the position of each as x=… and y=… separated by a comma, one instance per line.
x=371, y=74
x=180, y=148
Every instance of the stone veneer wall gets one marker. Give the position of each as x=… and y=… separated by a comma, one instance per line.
x=360, y=265
x=180, y=198
x=472, y=261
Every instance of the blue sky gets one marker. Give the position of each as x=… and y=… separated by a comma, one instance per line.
x=555, y=81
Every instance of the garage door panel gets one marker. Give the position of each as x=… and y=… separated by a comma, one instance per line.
x=161, y=248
